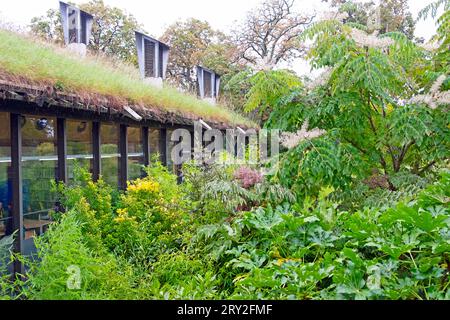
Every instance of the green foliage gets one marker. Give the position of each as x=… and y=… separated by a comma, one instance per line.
x=64, y=248
x=192, y=43
x=267, y=87
x=442, y=57
x=216, y=193
x=364, y=104
x=236, y=88
x=355, y=213
x=6, y=287
x=361, y=195
x=144, y=247
x=393, y=15
x=321, y=253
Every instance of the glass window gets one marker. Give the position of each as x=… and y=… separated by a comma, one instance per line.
x=109, y=150
x=153, y=136
x=5, y=181
x=79, y=146
x=135, y=153
x=39, y=165
x=169, y=146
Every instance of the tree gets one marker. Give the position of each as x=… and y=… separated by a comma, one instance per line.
x=270, y=33
x=388, y=16
x=194, y=42
x=381, y=103
x=442, y=37
x=48, y=26
x=112, y=31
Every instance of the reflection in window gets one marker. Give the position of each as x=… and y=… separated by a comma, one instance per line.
x=153, y=136
x=169, y=146
x=79, y=146
x=5, y=176
x=109, y=150
x=135, y=153
x=39, y=165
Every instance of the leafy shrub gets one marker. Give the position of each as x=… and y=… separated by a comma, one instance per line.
x=181, y=276
x=156, y=242
x=64, y=248
x=223, y=190
x=6, y=287
x=322, y=253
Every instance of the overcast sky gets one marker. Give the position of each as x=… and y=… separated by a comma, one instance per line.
x=157, y=15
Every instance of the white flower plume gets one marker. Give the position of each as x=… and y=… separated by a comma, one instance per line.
x=435, y=97
x=320, y=80
x=291, y=140
x=436, y=87
x=370, y=40
x=429, y=46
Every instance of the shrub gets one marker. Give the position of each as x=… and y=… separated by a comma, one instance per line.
x=6, y=287
x=319, y=252
x=62, y=252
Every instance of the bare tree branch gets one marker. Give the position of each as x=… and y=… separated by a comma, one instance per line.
x=268, y=35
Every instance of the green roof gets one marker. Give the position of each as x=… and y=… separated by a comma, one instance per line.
x=25, y=60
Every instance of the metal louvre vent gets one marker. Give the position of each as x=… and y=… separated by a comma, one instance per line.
x=207, y=84
x=149, y=52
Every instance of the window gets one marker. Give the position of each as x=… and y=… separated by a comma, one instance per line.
x=207, y=84
x=153, y=136
x=135, y=153
x=5, y=177
x=169, y=146
x=74, y=24
x=150, y=57
x=110, y=156
x=79, y=146
x=39, y=166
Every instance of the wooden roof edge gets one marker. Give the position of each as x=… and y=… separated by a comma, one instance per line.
x=53, y=97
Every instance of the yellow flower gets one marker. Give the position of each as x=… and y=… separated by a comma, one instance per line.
x=282, y=261
x=144, y=185
x=119, y=219
x=122, y=212
x=123, y=216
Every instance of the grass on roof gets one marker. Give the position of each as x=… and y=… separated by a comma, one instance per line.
x=42, y=63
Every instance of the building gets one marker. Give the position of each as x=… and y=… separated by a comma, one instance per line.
x=58, y=109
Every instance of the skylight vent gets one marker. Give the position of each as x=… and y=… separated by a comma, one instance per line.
x=153, y=57
x=208, y=84
x=77, y=24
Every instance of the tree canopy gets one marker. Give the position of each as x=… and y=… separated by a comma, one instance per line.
x=381, y=100
x=194, y=42
x=269, y=34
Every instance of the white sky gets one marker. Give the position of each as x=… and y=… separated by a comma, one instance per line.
x=157, y=15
